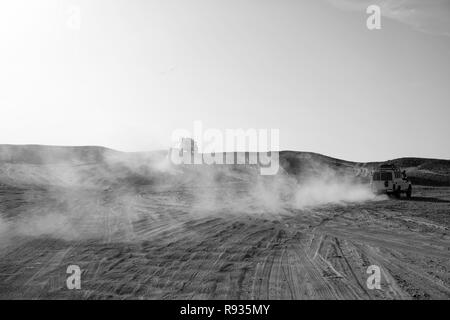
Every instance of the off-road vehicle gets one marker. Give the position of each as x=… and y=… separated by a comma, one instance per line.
x=391, y=180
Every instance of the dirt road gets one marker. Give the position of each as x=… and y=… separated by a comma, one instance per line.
x=155, y=244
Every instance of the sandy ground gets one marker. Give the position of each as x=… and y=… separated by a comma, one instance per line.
x=155, y=244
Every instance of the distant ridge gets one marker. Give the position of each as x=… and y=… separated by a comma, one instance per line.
x=42, y=154
x=425, y=171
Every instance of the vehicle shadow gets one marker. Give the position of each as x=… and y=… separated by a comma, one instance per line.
x=427, y=199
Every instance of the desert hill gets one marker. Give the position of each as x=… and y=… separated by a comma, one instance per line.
x=99, y=164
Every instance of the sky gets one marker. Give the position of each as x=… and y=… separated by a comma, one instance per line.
x=126, y=73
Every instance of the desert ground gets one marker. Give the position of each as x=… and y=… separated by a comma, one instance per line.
x=140, y=233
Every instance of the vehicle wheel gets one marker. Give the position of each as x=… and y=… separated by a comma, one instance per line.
x=409, y=192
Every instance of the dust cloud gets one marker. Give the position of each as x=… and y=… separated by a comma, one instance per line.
x=101, y=199
x=330, y=187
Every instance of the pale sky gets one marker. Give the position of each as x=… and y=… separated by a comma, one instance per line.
x=135, y=71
